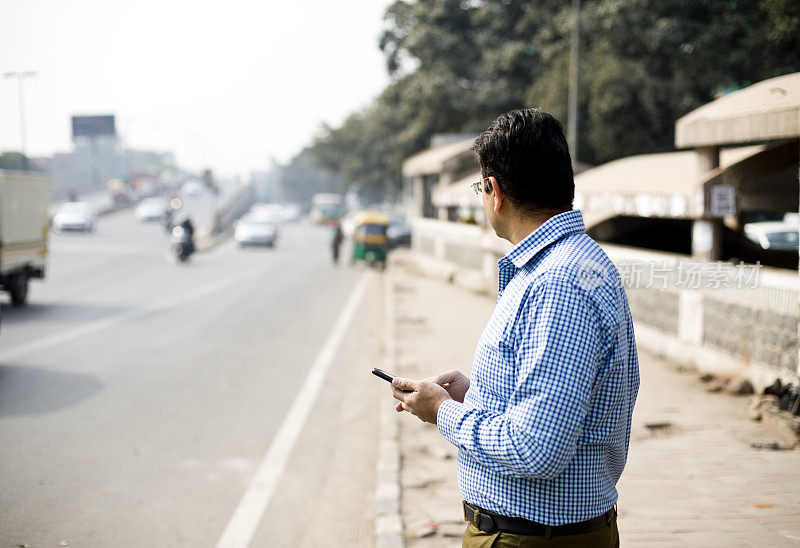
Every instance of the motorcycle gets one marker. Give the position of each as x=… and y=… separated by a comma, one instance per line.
x=182, y=243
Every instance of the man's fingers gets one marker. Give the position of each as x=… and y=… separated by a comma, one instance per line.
x=399, y=407
x=405, y=384
x=446, y=378
x=399, y=394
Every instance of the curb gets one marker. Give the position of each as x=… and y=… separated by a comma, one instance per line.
x=388, y=521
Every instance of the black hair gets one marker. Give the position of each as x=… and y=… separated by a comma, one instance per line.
x=526, y=151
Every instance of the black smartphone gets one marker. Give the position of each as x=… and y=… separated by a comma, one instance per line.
x=382, y=374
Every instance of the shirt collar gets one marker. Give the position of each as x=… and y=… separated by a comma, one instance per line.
x=553, y=229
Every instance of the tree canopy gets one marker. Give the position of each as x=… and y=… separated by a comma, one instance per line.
x=457, y=64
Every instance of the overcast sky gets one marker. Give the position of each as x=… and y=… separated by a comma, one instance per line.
x=222, y=84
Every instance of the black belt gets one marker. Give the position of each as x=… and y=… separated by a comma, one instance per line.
x=489, y=522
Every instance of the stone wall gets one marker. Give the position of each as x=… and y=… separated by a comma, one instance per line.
x=655, y=307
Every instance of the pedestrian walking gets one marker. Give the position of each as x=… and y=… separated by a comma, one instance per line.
x=336, y=239
x=542, y=425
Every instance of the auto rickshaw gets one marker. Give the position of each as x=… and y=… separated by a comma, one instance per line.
x=370, y=239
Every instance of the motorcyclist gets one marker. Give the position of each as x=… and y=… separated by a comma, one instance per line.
x=188, y=228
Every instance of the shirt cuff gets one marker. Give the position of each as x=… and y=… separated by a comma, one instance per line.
x=448, y=418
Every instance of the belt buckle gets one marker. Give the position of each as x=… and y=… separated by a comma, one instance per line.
x=482, y=521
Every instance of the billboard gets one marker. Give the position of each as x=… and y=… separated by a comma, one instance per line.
x=93, y=126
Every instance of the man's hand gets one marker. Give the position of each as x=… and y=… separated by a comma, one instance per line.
x=421, y=398
x=454, y=382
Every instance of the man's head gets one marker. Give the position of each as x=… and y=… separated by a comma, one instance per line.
x=524, y=154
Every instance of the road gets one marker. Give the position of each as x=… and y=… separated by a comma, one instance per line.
x=139, y=397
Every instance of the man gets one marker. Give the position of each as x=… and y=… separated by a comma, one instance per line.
x=188, y=228
x=337, y=236
x=543, y=425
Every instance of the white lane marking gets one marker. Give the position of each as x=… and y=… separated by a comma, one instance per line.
x=113, y=321
x=242, y=526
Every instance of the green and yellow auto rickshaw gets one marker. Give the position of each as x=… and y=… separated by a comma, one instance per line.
x=370, y=240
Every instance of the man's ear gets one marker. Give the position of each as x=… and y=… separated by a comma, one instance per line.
x=498, y=197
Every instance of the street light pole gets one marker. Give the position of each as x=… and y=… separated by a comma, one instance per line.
x=572, y=127
x=20, y=76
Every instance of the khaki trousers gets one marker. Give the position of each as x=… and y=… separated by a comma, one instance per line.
x=606, y=536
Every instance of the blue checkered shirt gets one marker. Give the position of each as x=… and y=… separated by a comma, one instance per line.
x=544, y=429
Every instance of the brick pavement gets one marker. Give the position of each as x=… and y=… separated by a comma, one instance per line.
x=692, y=477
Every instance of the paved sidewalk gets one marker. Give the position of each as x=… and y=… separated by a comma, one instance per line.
x=692, y=478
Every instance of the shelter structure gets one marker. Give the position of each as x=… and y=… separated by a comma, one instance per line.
x=767, y=112
x=427, y=172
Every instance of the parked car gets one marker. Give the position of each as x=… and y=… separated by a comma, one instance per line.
x=74, y=217
x=773, y=234
x=151, y=209
x=256, y=230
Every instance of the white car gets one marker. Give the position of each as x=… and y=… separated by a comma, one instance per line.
x=151, y=209
x=773, y=234
x=255, y=230
x=74, y=217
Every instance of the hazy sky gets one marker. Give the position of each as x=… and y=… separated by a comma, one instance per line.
x=222, y=84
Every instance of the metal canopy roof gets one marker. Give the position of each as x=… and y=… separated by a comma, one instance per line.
x=665, y=172
x=432, y=160
x=765, y=111
x=665, y=184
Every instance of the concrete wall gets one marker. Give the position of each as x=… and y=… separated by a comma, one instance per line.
x=722, y=319
x=737, y=322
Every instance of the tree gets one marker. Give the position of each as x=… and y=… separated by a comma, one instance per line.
x=457, y=64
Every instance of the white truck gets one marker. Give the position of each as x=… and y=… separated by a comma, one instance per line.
x=24, y=227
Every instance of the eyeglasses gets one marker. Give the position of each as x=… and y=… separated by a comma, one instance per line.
x=476, y=186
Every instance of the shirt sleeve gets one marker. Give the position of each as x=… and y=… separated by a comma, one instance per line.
x=558, y=351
